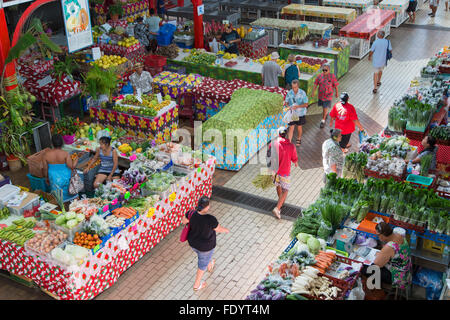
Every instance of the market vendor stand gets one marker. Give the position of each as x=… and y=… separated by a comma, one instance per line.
x=399, y=7
x=135, y=54
x=339, y=16
x=341, y=58
x=277, y=28
x=360, y=32
x=250, y=9
x=254, y=48
x=247, y=71
x=360, y=6
x=102, y=268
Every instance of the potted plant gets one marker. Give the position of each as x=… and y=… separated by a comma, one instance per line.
x=64, y=68
x=67, y=127
x=100, y=84
x=115, y=10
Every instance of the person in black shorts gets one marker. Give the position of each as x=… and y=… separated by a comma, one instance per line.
x=412, y=10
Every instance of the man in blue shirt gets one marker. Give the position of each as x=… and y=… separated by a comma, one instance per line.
x=297, y=100
x=378, y=54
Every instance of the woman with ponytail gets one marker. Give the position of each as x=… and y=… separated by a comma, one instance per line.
x=202, y=238
x=332, y=154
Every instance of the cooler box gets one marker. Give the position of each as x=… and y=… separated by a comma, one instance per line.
x=31, y=202
x=344, y=239
x=7, y=192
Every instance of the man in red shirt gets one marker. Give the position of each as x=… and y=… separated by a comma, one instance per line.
x=281, y=152
x=346, y=118
x=326, y=82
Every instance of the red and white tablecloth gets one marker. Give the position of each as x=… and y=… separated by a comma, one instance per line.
x=443, y=153
x=102, y=270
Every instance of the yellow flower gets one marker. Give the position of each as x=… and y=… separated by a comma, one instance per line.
x=165, y=90
x=174, y=127
x=101, y=115
x=142, y=123
x=121, y=119
x=167, y=131
x=131, y=133
x=91, y=113
x=175, y=112
x=142, y=135
x=111, y=117
x=166, y=136
x=132, y=122
x=161, y=121
x=201, y=116
x=153, y=125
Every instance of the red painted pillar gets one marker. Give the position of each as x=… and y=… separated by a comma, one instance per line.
x=198, y=25
x=5, y=45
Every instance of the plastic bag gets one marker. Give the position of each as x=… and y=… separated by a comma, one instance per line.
x=431, y=280
x=287, y=118
x=76, y=184
x=357, y=292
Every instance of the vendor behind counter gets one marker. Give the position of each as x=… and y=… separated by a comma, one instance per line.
x=141, y=80
x=230, y=39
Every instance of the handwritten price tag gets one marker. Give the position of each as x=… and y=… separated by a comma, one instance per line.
x=172, y=196
x=114, y=202
x=105, y=208
x=136, y=185
x=133, y=157
x=199, y=170
x=151, y=212
x=143, y=185
x=127, y=195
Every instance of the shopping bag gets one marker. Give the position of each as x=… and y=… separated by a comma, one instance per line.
x=76, y=184
x=185, y=231
x=362, y=136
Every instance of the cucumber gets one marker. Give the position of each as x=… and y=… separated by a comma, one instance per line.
x=299, y=297
x=291, y=297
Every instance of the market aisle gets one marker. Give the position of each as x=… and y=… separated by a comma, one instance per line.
x=167, y=272
x=442, y=18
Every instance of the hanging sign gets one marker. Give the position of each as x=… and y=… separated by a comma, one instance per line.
x=201, y=10
x=77, y=24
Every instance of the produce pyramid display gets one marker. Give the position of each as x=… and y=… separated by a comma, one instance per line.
x=246, y=110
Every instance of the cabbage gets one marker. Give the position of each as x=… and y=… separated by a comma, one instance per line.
x=303, y=237
x=77, y=252
x=323, y=244
x=60, y=220
x=70, y=215
x=72, y=223
x=61, y=256
x=313, y=245
x=300, y=246
x=80, y=217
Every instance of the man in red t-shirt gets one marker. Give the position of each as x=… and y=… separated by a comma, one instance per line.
x=326, y=82
x=346, y=118
x=282, y=153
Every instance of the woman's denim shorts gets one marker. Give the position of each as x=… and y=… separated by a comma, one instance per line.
x=204, y=257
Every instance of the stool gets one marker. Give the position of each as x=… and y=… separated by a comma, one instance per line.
x=50, y=112
x=187, y=110
x=397, y=292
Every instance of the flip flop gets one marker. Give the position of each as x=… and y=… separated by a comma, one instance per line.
x=298, y=142
x=213, y=262
x=276, y=212
x=374, y=91
x=379, y=84
x=202, y=286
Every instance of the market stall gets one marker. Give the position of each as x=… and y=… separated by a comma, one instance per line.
x=240, y=68
x=254, y=48
x=360, y=6
x=340, y=57
x=294, y=11
x=277, y=28
x=249, y=10
x=76, y=256
x=360, y=32
x=399, y=7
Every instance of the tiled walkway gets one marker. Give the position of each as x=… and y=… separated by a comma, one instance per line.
x=167, y=272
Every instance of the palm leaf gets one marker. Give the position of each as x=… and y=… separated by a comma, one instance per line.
x=36, y=25
x=49, y=43
x=24, y=42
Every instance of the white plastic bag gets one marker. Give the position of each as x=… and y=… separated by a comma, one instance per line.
x=357, y=292
x=290, y=116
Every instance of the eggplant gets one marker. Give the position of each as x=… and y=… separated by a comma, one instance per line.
x=260, y=294
x=260, y=287
x=267, y=297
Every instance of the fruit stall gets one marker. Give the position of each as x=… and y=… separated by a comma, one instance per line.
x=399, y=7
x=149, y=118
x=242, y=68
x=294, y=11
x=360, y=6
x=360, y=32
x=79, y=253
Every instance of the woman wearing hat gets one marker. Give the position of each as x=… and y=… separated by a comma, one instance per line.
x=141, y=80
x=332, y=155
x=344, y=114
x=202, y=238
x=281, y=153
x=229, y=39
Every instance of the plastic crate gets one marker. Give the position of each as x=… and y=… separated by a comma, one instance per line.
x=164, y=39
x=175, y=69
x=378, y=175
x=115, y=230
x=5, y=181
x=406, y=225
x=341, y=284
x=32, y=204
x=38, y=183
x=132, y=219
x=419, y=181
x=433, y=246
x=436, y=237
x=184, y=45
x=367, y=225
x=154, y=70
x=154, y=60
x=414, y=135
x=348, y=261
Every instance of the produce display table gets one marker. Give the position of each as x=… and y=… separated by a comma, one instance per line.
x=250, y=72
x=399, y=6
x=359, y=5
x=360, y=32
x=254, y=49
x=341, y=58
x=134, y=54
x=101, y=270
x=129, y=9
x=159, y=127
x=28, y=65
x=321, y=12
x=277, y=28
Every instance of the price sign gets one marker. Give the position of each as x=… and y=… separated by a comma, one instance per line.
x=199, y=170
x=151, y=212
x=105, y=208
x=143, y=185
x=114, y=202
x=159, y=97
x=201, y=10
x=127, y=195
x=133, y=157
x=172, y=196
x=136, y=185
x=96, y=53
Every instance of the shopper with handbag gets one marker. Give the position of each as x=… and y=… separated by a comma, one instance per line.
x=200, y=232
x=380, y=53
x=58, y=167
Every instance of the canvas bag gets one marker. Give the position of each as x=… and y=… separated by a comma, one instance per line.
x=185, y=232
x=76, y=184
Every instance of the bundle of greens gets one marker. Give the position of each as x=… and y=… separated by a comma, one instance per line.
x=425, y=164
x=306, y=224
x=263, y=181
x=354, y=165
x=397, y=119
x=441, y=133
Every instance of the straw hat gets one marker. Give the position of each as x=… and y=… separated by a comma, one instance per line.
x=138, y=65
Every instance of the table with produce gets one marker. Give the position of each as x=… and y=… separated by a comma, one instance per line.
x=234, y=67
x=147, y=118
x=399, y=6
x=79, y=253
x=347, y=14
x=361, y=31
x=340, y=225
x=278, y=29
x=335, y=49
x=212, y=95
x=359, y=5
x=251, y=118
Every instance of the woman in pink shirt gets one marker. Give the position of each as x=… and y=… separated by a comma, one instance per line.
x=281, y=153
